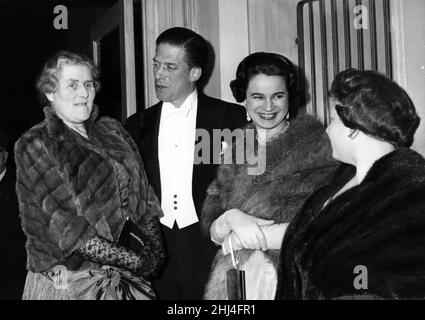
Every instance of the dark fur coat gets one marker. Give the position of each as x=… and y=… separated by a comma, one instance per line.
x=297, y=163
x=68, y=188
x=379, y=224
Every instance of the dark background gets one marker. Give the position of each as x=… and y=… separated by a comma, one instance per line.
x=27, y=39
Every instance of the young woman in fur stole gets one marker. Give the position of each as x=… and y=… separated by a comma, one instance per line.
x=362, y=235
x=252, y=210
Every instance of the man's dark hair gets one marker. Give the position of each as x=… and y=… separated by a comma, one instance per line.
x=195, y=46
x=376, y=105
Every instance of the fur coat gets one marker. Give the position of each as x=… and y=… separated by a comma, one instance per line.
x=297, y=163
x=369, y=242
x=68, y=188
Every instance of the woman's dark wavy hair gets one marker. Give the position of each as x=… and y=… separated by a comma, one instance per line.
x=48, y=79
x=270, y=64
x=376, y=105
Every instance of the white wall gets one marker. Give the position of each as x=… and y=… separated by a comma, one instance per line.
x=408, y=28
x=234, y=46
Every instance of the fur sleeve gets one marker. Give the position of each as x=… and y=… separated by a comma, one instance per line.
x=153, y=207
x=49, y=214
x=216, y=200
x=311, y=164
x=149, y=222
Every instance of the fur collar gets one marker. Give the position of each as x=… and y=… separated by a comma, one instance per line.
x=57, y=128
x=302, y=131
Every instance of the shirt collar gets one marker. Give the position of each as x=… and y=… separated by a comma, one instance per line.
x=169, y=109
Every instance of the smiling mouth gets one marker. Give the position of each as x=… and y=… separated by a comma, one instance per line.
x=267, y=116
x=81, y=104
x=158, y=86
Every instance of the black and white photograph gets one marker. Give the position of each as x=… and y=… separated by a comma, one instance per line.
x=208, y=155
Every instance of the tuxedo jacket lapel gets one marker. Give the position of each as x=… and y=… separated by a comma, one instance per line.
x=209, y=116
x=149, y=142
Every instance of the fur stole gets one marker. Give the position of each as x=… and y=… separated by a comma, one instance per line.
x=68, y=186
x=297, y=163
x=378, y=225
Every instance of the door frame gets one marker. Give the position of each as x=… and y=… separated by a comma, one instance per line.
x=119, y=16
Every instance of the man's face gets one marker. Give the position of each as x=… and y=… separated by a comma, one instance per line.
x=3, y=159
x=174, y=80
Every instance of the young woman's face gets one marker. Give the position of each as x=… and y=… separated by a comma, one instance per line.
x=267, y=100
x=338, y=134
x=74, y=95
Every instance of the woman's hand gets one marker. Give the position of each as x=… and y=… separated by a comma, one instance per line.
x=247, y=229
x=234, y=240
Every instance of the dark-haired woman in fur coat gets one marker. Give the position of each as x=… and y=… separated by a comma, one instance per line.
x=79, y=179
x=362, y=235
x=250, y=212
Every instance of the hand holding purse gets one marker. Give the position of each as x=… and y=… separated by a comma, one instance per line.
x=131, y=237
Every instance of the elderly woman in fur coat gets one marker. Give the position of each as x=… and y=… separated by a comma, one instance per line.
x=80, y=180
x=362, y=235
x=247, y=211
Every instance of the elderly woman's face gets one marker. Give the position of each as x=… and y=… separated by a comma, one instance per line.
x=74, y=95
x=267, y=100
x=338, y=134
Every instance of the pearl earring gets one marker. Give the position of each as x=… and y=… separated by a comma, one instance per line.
x=248, y=117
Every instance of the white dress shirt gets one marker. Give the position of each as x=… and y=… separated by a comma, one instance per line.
x=176, y=147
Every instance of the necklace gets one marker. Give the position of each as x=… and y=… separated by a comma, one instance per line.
x=263, y=140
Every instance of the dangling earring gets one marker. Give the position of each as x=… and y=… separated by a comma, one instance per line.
x=248, y=117
x=353, y=134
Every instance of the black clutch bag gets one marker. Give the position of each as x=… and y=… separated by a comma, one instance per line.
x=236, y=285
x=131, y=237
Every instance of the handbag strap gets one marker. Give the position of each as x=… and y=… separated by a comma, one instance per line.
x=234, y=261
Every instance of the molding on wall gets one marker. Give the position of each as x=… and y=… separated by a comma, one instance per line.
x=157, y=16
x=128, y=60
x=119, y=16
x=150, y=30
x=398, y=41
x=234, y=41
x=189, y=14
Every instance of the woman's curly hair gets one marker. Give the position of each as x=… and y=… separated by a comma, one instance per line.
x=48, y=79
x=376, y=105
